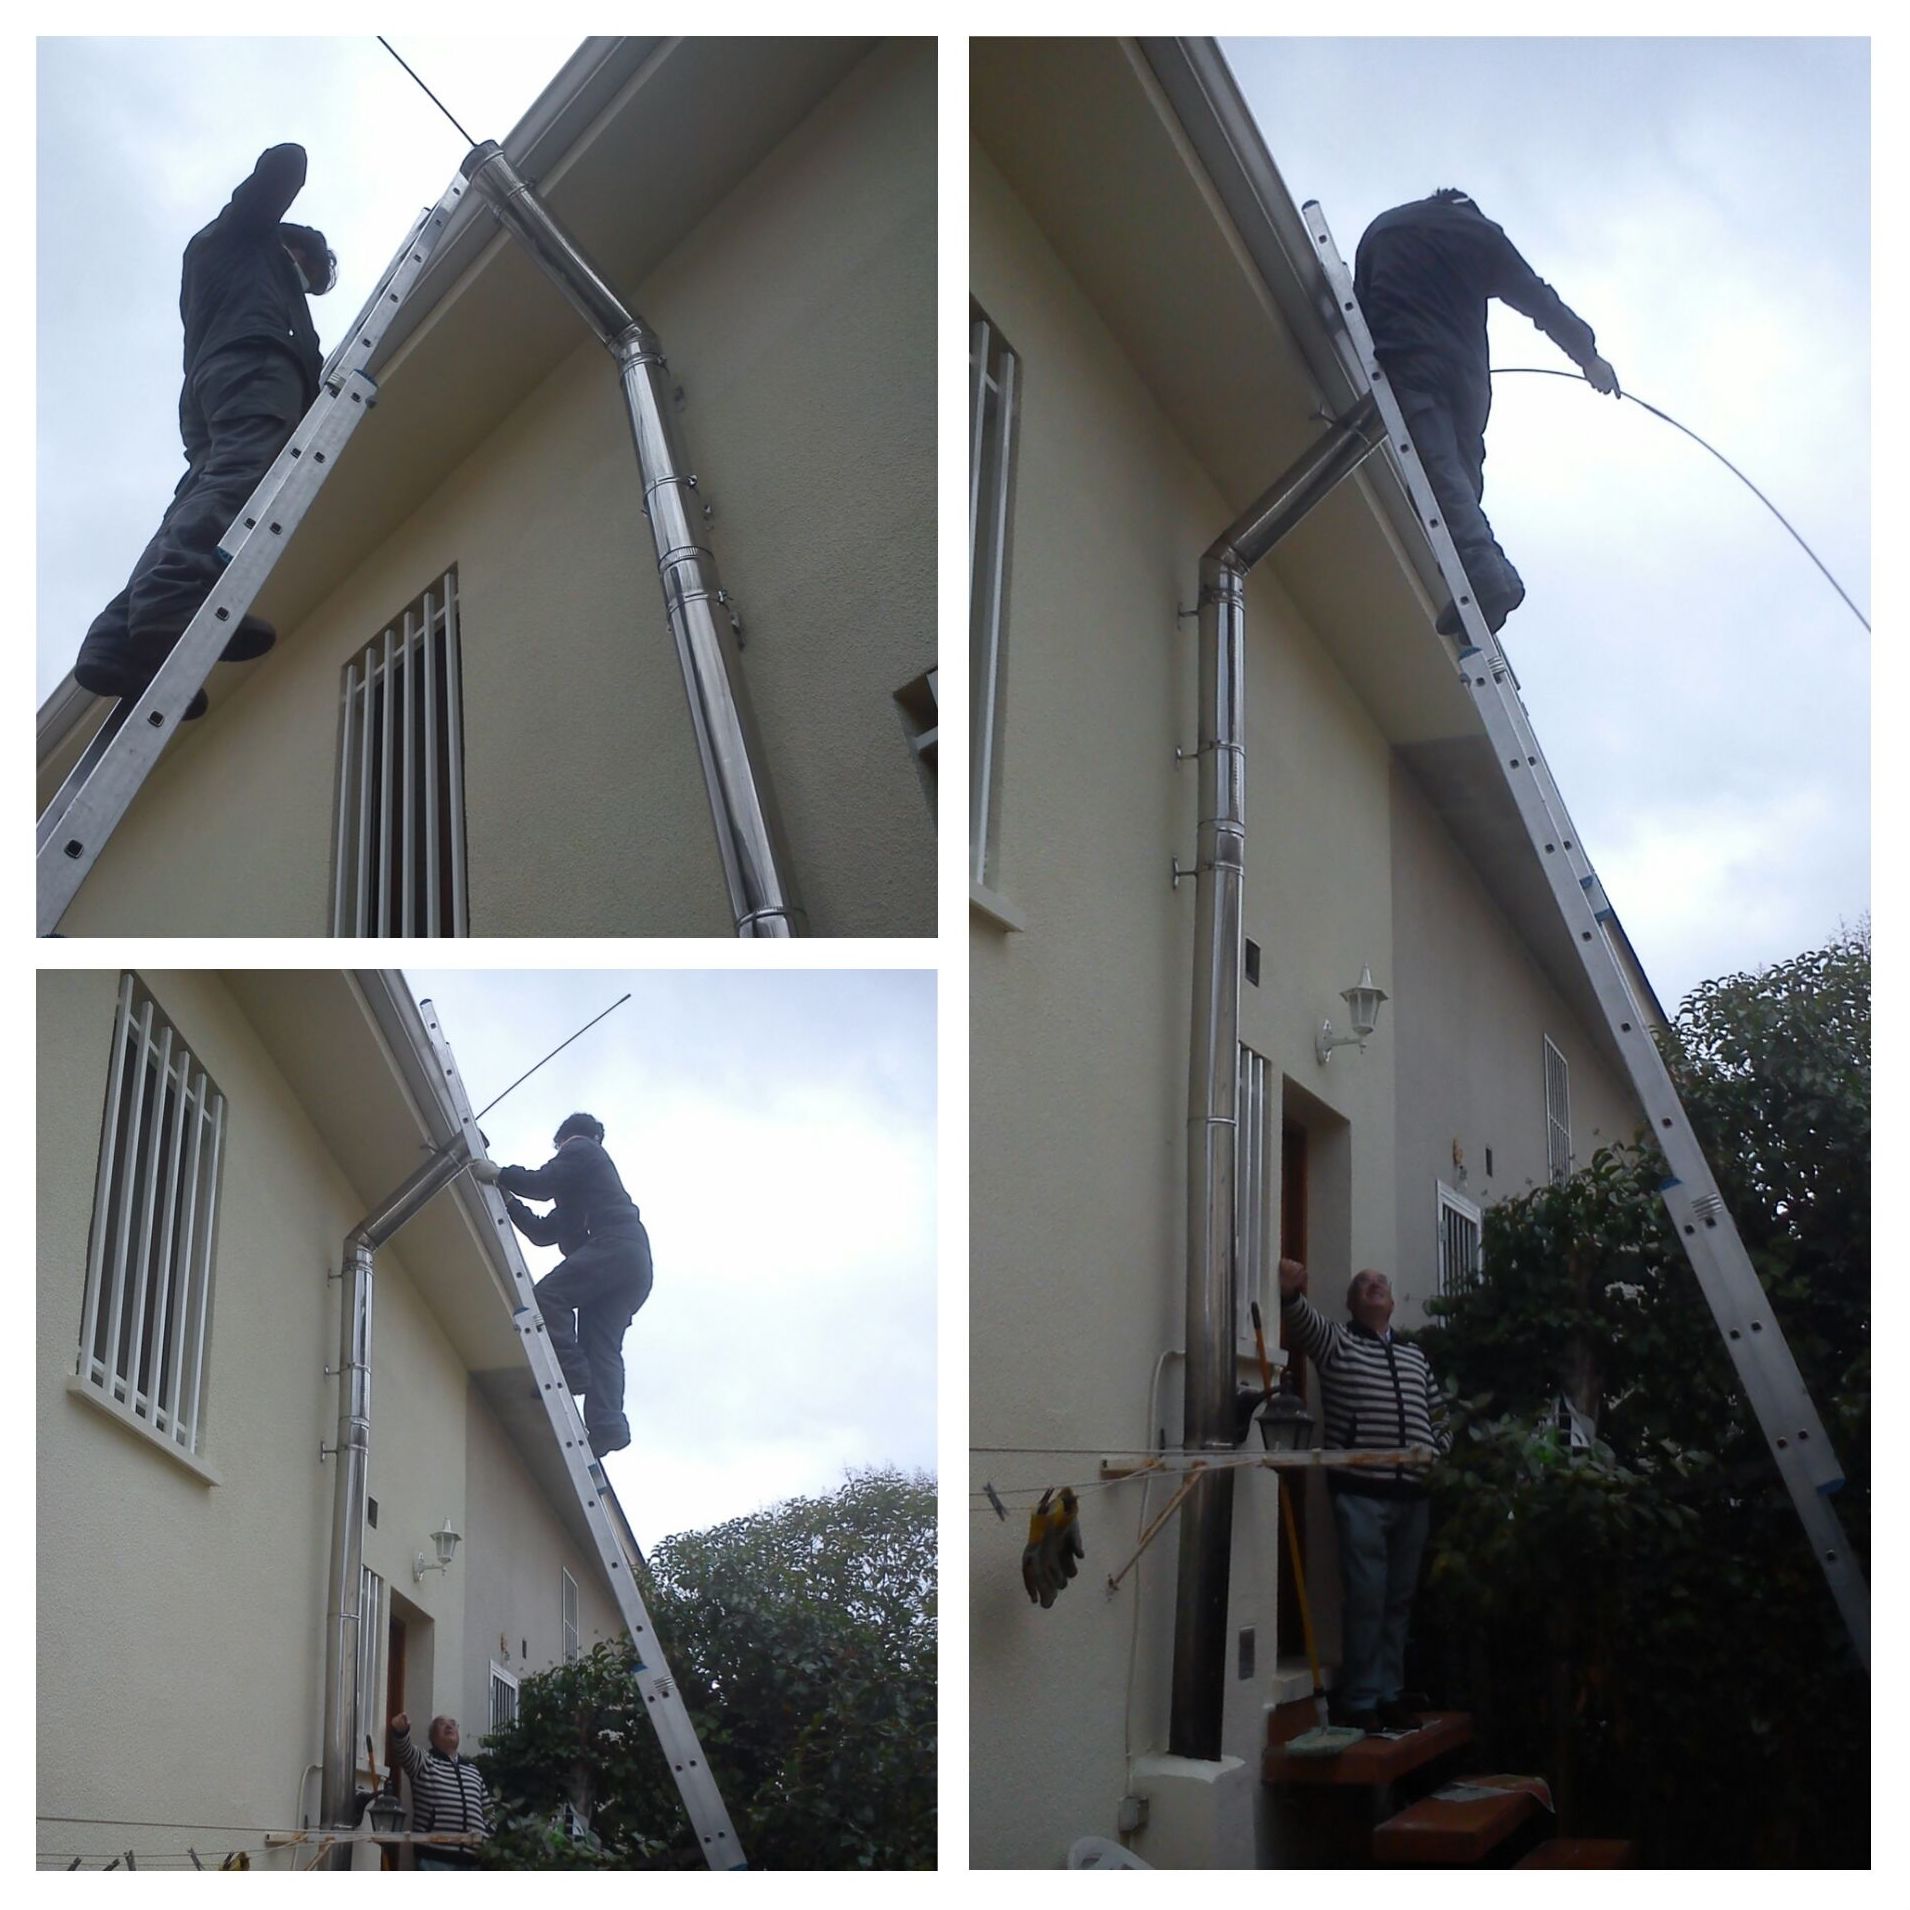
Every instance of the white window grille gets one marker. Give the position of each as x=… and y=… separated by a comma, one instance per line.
x=1459, y=1234
x=503, y=1697
x=1558, y=1114
x=368, y=1683
x=399, y=864
x=573, y=1641
x=155, y=1220
x=993, y=370
x=1253, y=1188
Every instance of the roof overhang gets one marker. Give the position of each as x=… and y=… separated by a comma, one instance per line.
x=356, y=1053
x=631, y=145
x=1149, y=177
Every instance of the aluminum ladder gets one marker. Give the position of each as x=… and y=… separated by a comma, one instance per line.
x=111, y=770
x=1752, y=1336
x=662, y=1700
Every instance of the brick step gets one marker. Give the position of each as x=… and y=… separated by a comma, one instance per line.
x=1370, y=1762
x=1461, y=1823
x=1578, y=1853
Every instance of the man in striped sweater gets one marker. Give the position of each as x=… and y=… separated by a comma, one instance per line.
x=1378, y=1392
x=447, y=1793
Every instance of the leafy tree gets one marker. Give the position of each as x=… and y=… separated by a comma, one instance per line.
x=1643, y=1620
x=803, y=1638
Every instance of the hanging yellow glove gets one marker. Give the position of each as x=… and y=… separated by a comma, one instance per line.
x=1054, y=1546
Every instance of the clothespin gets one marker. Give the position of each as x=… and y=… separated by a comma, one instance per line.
x=994, y=1499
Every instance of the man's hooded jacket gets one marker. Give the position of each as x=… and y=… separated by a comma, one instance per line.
x=239, y=285
x=1423, y=274
x=583, y=1180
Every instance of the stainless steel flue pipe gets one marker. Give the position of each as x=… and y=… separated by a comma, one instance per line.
x=352, y=1456
x=749, y=835
x=1213, y=1075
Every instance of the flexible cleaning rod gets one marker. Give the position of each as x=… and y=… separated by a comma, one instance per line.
x=1548, y=371
x=559, y=1049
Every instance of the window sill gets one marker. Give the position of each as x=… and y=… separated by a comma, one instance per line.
x=140, y=1430
x=998, y=909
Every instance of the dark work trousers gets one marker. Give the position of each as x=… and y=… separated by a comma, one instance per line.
x=602, y=1284
x=1449, y=432
x=235, y=414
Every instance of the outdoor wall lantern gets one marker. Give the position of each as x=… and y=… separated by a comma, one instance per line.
x=447, y=1542
x=1286, y=1423
x=387, y=1809
x=1362, y=1006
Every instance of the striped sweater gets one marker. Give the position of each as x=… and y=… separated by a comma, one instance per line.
x=446, y=1793
x=1377, y=1393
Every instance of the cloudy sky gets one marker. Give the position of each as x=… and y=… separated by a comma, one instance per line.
x=139, y=144
x=1700, y=691
x=777, y=1130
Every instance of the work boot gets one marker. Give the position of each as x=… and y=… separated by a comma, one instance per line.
x=1497, y=600
x=611, y=1436
x=250, y=641
x=124, y=670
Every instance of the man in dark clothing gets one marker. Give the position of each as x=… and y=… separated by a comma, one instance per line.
x=589, y=1299
x=1379, y=1393
x=1423, y=274
x=252, y=363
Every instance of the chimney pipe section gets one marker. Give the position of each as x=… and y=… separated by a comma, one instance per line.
x=1213, y=1076
x=352, y=1456
x=749, y=838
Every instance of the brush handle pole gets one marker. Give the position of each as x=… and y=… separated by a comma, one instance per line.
x=1299, y=1580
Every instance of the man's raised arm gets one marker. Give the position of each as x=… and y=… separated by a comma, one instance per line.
x=262, y=200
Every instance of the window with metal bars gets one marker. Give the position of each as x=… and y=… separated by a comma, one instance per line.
x=503, y=1697
x=573, y=1640
x=1558, y=1114
x=148, y=1304
x=1459, y=1233
x=1255, y=1240
x=399, y=859
x=993, y=371
x=368, y=1684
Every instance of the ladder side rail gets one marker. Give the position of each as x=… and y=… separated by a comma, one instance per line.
x=1753, y=1338
x=93, y=809
x=76, y=778
x=663, y=1701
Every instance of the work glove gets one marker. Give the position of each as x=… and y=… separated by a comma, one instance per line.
x=1054, y=1546
x=1600, y=376
x=485, y=1171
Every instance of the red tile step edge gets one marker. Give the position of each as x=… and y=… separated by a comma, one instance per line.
x=1371, y=1761
x=1457, y=1830
x=1578, y=1853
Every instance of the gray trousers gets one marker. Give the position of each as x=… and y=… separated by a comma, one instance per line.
x=1380, y=1544
x=1449, y=433
x=588, y=1301
x=235, y=414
